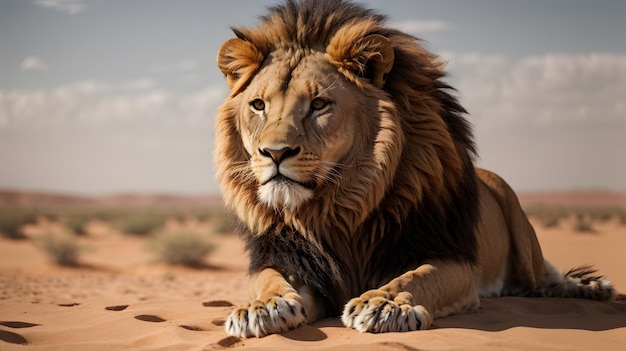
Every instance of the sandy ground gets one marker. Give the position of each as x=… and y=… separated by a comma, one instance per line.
x=121, y=299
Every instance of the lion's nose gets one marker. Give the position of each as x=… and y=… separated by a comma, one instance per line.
x=279, y=155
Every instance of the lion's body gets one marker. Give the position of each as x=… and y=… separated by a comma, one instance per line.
x=350, y=166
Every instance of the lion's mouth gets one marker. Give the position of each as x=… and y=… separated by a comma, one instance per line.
x=282, y=179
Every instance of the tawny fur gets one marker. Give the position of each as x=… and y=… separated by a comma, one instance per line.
x=349, y=163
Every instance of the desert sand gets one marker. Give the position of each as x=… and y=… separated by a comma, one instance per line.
x=119, y=298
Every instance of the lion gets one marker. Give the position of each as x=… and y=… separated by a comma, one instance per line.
x=350, y=164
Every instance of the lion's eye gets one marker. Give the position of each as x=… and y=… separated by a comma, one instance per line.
x=318, y=104
x=258, y=104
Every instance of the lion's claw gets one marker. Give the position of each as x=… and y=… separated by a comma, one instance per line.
x=379, y=315
x=261, y=318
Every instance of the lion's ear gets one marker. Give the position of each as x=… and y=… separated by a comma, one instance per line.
x=239, y=60
x=370, y=57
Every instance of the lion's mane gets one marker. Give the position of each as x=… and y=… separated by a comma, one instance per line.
x=414, y=197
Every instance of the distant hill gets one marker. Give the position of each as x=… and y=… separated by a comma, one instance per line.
x=589, y=199
x=46, y=200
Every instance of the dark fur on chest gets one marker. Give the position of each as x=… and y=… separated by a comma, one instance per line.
x=429, y=231
x=289, y=252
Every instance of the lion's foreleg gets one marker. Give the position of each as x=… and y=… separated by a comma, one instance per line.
x=276, y=307
x=412, y=300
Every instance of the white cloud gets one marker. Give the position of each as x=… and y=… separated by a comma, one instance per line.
x=70, y=7
x=91, y=102
x=100, y=137
x=203, y=104
x=138, y=84
x=188, y=70
x=419, y=27
x=33, y=63
x=542, y=91
x=187, y=65
x=555, y=121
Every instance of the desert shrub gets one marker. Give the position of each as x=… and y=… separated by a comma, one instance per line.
x=198, y=214
x=139, y=222
x=210, y=214
x=106, y=214
x=550, y=221
x=602, y=214
x=184, y=247
x=548, y=217
x=62, y=249
x=77, y=221
x=50, y=214
x=583, y=224
x=202, y=216
x=12, y=221
x=226, y=223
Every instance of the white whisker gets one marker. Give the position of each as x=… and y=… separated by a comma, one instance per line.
x=241, y=172
x=329, y=172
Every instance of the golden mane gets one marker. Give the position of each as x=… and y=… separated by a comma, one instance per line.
x=422, y=158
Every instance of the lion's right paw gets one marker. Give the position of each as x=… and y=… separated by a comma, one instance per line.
x=380, y=315
x=261, y=318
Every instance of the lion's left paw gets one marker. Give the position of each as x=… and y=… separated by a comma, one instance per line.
x=380, y=315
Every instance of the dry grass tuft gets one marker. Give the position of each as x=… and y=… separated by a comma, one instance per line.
x=62, y=249
x=13, y=220
x=182, y=247
x=139, y=222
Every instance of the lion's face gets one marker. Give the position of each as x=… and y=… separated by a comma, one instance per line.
x=298, y=126
x=307, y=132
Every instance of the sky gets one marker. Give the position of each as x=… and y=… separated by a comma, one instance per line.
x=116, y=96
